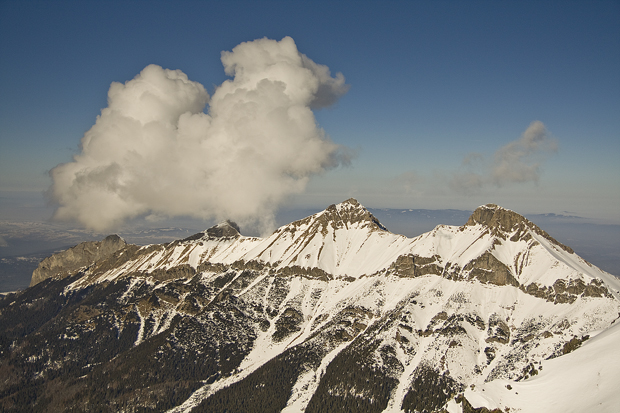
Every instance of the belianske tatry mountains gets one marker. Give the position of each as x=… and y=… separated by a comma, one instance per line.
x=331, y=313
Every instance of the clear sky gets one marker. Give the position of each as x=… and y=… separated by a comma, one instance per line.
x=439, y=114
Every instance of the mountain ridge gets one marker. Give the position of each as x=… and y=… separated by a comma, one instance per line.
x=329, y=313
x=502, y=221
x=339, y=242
x=81, y=255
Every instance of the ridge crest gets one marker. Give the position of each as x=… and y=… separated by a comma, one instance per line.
x=226, y=229
x=350, y=212
x=502, y=222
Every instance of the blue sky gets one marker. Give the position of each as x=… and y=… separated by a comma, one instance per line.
x=431, y=83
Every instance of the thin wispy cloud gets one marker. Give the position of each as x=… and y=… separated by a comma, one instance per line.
x=519, y=161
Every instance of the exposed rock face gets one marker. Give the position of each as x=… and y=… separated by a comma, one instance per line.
x=404, y=266
x=82, y=255
x=226, y=230
x=343, y=215
x=567, y=292
x=351, y=212
x=496, y=218
x=488, y=269
x=503, y=222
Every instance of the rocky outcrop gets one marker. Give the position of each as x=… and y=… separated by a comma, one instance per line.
x=567, y=291
x=489, y=270
x=312, y=273
x=82, y=255
x=502, y=222
x=404, y=266
x=344, y=215
x=351, y=212
x=224, y=230
x=227, y=229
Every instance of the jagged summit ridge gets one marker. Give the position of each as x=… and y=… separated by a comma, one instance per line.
x=82, y=255
x=502, y=222
x=499, y=219
x=351, y=212
x=338, y=240
x=345, y=241
x=224, y=230
x=493, y=216
x=345, y=215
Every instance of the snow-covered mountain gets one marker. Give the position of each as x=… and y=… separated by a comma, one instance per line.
x=330, y=313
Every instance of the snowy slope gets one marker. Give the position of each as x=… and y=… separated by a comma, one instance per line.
x=345, y=240
x=375, y=317
x=585, y=380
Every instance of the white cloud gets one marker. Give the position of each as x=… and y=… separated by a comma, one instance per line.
x=154, y=151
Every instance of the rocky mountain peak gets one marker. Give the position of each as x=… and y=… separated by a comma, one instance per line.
x=350, y=212
x=502, y=222
x=82, y=255
x=347, y=214
x=496, y=218
x=224, y=230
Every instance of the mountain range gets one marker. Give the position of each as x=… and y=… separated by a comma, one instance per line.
x=330, y=313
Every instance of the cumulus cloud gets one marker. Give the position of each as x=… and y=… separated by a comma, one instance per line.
x=518, y=161
x=156, y=152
